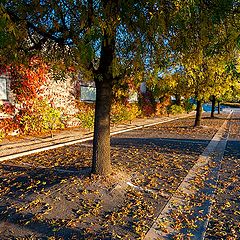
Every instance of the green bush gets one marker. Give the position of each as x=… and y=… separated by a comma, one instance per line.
x=189, y=106
x=40, y=117
x=86, y=117
x=119, y=113
x=176, y=109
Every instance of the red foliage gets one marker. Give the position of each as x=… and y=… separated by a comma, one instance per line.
x=147, y=104
x=9, y=124
x=8, y=108
x=26, y=82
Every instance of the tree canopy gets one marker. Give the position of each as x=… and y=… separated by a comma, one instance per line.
x=108, y=39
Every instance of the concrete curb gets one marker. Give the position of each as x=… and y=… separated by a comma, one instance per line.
x=162, y=228
x=68, y=143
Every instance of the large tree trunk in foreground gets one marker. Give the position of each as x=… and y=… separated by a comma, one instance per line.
x=101, y=162
x=213, y=106
x=101, y=144
x=218, y=107
x=198, y=114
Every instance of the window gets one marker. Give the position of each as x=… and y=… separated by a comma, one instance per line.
x=88, y=93
x=3, y=87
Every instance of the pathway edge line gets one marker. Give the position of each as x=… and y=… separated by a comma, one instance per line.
x=54, y=146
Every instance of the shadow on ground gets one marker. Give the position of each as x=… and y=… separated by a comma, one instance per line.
x=165, y=145
x=18, y=184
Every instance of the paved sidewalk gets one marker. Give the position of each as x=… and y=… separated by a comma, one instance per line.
x=194, y=195
x=28, y=145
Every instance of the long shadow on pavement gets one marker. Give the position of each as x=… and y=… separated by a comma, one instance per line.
x=167, y=145
x=25, y=181
x=17, y=188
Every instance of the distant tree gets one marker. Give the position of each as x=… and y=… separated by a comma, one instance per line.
x=204, y=32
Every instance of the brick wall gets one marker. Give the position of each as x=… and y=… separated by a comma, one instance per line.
x=62, y=94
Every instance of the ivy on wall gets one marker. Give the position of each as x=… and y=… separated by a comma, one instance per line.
x=26, y=82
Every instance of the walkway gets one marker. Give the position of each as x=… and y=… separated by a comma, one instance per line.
x=29, y=145
x=193, y=198
x=161, y=158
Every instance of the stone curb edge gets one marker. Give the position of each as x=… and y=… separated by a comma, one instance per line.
x=154, y=232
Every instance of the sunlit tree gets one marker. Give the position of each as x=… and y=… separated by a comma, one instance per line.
x=204, y=32
x=104, y=39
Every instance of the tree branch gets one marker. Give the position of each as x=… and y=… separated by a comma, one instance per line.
x=45, y=34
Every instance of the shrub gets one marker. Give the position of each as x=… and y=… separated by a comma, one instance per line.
x=121, y=112
x=2, y=135
x=176, y=109
x=7, y=108
x=86, y=116
x=161, y=107
x=8, y=125
x=147, y=104
x=132, y=112
x=40, y=117
x=189, y=106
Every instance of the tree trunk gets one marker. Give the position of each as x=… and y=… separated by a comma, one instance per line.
x=178, y=99
x=198, y=114
x=218, y=107
x=213, y=106
x=101, y=162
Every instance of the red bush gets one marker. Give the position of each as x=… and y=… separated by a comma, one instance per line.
x=26, y=82
x=8, y=108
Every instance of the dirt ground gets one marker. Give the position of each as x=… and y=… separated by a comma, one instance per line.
x=51, y=195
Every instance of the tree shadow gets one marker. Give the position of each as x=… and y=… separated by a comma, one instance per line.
x=215, y=117
x=15, y=224
x=21, y=184
x=18, y=223
x=28, y=179
x=18, y=184
x=164, y=145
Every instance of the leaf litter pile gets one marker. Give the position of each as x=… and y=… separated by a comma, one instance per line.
x=51, y=195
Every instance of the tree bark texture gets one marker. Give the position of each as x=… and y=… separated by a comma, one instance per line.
x=178, y=99
x=198, y=114
x=213, y=106
x=101, y=162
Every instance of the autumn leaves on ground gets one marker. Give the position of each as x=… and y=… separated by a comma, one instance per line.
x=51, y=195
